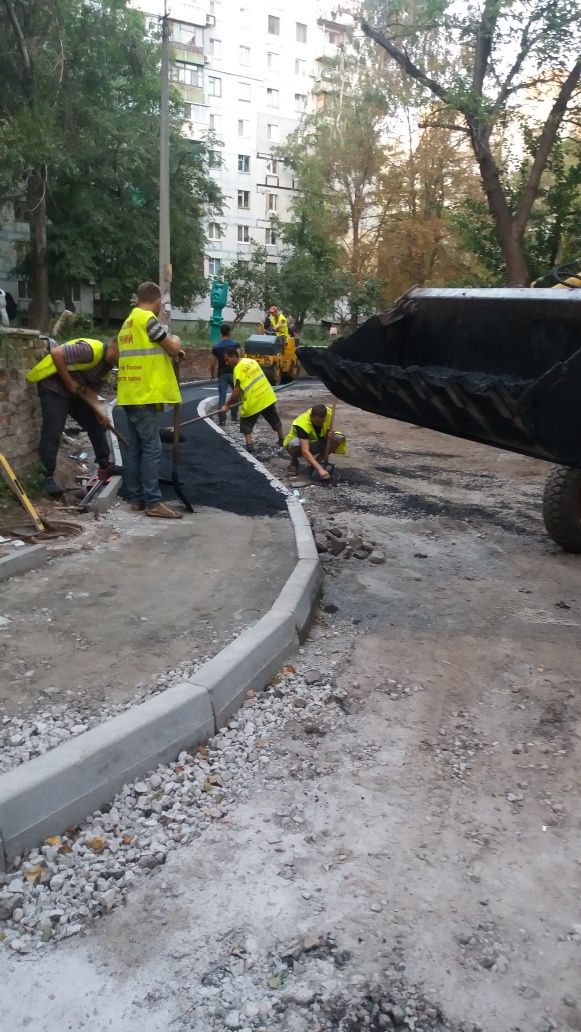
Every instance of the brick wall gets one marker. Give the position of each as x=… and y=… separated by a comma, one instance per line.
x=19, y=406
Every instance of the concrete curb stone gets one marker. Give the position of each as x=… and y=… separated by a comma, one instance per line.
x=31, y=557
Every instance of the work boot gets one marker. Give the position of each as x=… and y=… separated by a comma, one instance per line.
x=222, y=421
x=136, y=505
x=50, y=487
x=163, y=512
x=250, y=449
x=105, y=473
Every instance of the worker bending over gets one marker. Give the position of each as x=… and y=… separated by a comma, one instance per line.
x=68, y=379
x=309, y=437
x=278, y=322
x=146, y=383
x=255, y=394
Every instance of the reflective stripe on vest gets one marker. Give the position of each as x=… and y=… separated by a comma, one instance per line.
x=46, y=366
x=146, y=375
x=305, y=422
x=257, y=393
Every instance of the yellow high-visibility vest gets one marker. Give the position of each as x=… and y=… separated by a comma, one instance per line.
x=305, y=422
x=46, y=366
x=257, y=392
x=280, y=325
x=146, y=375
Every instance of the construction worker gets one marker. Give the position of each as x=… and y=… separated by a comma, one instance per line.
x=309, y=437
x=146, y=382
x=255, y=394
x=219, y=370
x=66, y=376
x=278, y=322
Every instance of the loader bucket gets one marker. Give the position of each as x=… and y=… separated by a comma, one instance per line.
x=502, y=367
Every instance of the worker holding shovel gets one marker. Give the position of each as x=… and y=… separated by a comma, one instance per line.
x=68, y=379
x=146, y=383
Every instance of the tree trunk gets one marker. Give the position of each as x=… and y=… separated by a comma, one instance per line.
x=39, y=310
x=105, y=315
x=509, y=238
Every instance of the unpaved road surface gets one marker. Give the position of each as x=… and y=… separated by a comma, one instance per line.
x=404, y=850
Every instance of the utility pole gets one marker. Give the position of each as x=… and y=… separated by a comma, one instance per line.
x=165, y=269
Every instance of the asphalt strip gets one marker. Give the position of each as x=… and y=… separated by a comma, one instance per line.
x=212, y=473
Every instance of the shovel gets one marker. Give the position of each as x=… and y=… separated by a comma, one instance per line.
x=175, y=475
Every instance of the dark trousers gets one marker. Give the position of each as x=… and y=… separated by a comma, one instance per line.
x=55, y=409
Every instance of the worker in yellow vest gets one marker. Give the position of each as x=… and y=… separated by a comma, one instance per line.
x=255, y=394
x=65, y=376
x=146, y=382
x=278, y=322
x=308, y=438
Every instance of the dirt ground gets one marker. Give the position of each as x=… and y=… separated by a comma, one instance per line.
x=424, y=831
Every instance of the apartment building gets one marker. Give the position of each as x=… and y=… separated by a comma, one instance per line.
x=247, y=72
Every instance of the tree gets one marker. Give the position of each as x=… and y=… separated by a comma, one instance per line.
x=337, y=158
x=249, y=281
x=490, y=58
x=85, y=120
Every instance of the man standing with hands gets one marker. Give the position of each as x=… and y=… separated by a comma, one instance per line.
x=146, y=383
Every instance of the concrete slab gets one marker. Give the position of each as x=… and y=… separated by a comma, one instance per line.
x=59, y=789
x=21, y=560
x=248, y=663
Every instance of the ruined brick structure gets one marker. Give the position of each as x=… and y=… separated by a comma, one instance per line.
x=19, y=406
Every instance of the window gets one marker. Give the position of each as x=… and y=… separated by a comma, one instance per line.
x=272, y=98
x=272, y=132
x=214, y=159
x=273, y=25
x=215, y=47
x=244, y=55
x=243, y=235
x=243, y=91
x=271, y=203
x=214, y=86
x=188, y=110
x=243, y=127
x=301, y=33
x=214, y=231
x=244, y=163
x=185, y=34
x=300, y=67
x=214, y=266
x=188, y=74
x=334, y=38
x=244, y=198
x=273, y=60
x=270, y=234
x=76, y=291
x=272, y=166
x=215, y=123
x=300, y=102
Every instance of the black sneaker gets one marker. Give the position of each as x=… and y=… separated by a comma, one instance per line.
x=250, y=449
x=50, y=487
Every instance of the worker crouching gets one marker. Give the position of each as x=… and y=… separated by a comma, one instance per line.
x=255, y=394
x=311, y=436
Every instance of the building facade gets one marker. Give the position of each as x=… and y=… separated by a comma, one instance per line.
x=247, y=72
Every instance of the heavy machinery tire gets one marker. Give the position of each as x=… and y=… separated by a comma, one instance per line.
x=275, y=376
x=562, y=507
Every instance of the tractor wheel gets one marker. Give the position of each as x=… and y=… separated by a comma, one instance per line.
x=275, y=376
x=562, y=507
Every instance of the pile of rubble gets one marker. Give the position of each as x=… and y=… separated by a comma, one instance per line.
x=334, y=541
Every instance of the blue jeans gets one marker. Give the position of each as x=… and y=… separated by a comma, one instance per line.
x=141, y=459
x=224, y=388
